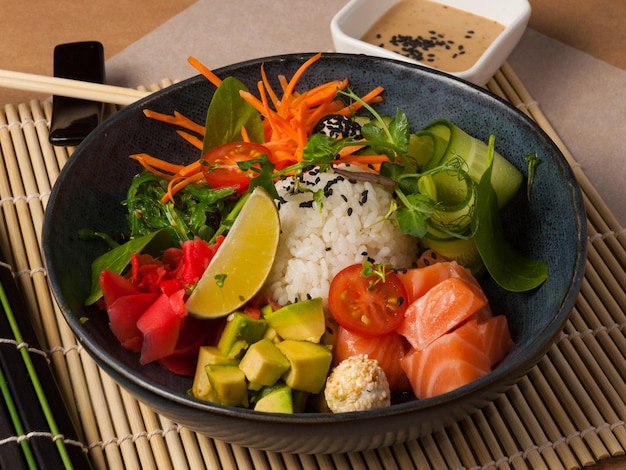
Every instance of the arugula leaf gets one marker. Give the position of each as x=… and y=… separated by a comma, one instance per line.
x=119, y=257
x=510, y=269
x=228, y=112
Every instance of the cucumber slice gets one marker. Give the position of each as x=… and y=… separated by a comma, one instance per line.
x=447, y=141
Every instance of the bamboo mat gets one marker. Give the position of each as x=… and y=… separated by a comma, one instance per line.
x=568, y=412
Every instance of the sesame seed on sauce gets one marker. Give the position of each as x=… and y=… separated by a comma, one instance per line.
x=401, y=30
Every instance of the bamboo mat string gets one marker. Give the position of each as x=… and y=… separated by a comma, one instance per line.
x=528, y=421
x=597, y=402
x=596, y=377
x=155, y=437
x=519, y=432
x=573, y=409
x=545, y=429
x=138, y=430
x=120, y=424
x=506, y=440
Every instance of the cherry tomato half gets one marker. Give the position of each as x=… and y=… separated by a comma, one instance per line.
x=220, y=168
x=366, y=304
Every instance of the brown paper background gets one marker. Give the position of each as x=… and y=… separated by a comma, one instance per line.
x=29, y=30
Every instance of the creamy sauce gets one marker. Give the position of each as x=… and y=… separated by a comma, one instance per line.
x=437, y=35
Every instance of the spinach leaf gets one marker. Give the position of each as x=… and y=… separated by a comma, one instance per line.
x=228, y=112
x=119, y=257
x=510, y=269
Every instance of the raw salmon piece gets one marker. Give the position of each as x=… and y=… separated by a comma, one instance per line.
x=441, y=309
x=449, y=362
x=388, y=350
x=418, y=281
x=496, y=338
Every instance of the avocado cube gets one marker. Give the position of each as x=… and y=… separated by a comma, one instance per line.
x=310, y=363
x=229, y=384
x=239, y=333
x=201, y=387
x=263, y=363
x=278, y=400
x=303, y=321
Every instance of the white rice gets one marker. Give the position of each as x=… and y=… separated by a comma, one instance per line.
x=315, y=244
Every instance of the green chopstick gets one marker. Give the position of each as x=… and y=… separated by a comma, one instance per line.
x=45, y=406
x=17, y=423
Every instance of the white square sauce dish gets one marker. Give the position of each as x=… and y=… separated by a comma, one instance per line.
x=469, y=39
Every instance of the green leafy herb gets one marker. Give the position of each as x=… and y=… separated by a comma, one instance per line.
x=118, y=258
x=509, y=269
x=220, y=279
x=228, y=112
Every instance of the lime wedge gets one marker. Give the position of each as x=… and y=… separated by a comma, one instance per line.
x=243, y=261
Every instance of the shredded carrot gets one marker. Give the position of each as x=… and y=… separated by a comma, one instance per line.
x=166, y=170
x=176, y=119
x=178, y=183
x=270, y=91
x=244, y=134
x=205, y=71
x=192, y=139
x=288, y=121
x=372, y=97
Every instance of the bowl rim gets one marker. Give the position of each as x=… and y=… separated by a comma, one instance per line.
x=536, y=348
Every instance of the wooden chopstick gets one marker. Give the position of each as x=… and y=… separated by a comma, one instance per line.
x=70, y=88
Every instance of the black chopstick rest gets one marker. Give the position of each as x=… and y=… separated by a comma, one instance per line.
x=50, y=450
x=72, y=118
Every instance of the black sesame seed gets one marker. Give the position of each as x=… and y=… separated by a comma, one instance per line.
x=349, y=211
x=306, y=204
x=363, y=197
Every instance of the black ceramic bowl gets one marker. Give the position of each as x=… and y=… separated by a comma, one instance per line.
x=550, y=227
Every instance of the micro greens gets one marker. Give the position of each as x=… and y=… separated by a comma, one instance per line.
x=378, y=271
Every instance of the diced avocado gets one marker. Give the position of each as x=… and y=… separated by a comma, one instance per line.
x=239, y=333
x=310, y=363
x=263, y=363
x=201, y=387
x=301, y=320
x=254, y=387
x=272, y=335
x=229, y=384
x=278, y=400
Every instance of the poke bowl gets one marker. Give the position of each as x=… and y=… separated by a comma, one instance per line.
x=91, y=187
